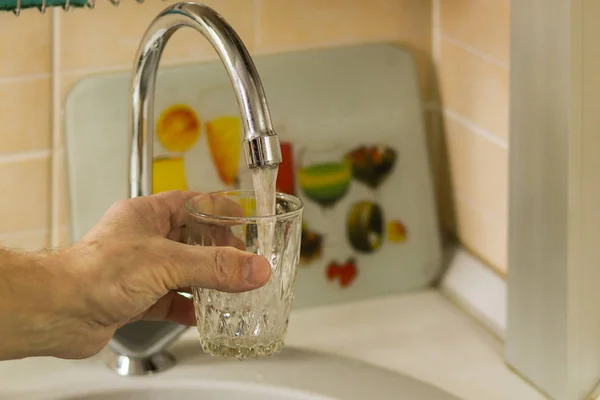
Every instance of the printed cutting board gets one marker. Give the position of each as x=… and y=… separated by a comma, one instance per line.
x=354, y=148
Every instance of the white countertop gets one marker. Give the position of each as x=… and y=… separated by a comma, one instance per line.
x=420, y=334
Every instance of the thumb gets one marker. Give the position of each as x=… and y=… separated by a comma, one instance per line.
x=213, y=267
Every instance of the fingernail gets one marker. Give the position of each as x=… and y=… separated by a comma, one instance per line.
x=258, y=270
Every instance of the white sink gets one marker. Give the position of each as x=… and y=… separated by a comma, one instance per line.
x=201, y=390
x=292, y=375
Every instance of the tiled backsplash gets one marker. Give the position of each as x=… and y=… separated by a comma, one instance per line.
x=468, y=39
x=471, y=51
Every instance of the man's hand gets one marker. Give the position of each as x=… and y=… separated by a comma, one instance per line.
x=68, y=303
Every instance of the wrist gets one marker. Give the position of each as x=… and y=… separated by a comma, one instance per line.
x=32, y=298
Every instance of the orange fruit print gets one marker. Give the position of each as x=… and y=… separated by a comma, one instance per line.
x=178, y=128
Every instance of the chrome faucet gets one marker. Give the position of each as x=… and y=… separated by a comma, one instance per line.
x=139, y=348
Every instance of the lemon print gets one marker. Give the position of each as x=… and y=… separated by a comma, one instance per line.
x=178, y=128
x=168, y=174
x=224, y=141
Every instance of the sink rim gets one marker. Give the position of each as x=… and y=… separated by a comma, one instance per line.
x=81, y=392
x=299, y=370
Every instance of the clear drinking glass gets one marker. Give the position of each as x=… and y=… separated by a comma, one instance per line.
x=251, y=324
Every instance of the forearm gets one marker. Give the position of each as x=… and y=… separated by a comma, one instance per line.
x=29, y=304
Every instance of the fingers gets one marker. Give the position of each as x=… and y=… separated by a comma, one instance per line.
x=212, y=235
x=223, y=268
x=172, y=307
x=164, y=214
x=161, y=214
x=207, y=232
x=218, y=206
x=168, y=210
x=211, y=204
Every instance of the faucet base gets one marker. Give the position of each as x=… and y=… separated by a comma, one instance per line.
x=135, y=366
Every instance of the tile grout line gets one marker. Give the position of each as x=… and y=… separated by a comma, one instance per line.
x=210, y=58
x=5, y=236
x=24, y=78
x=343, y=42
x=23, y=234
x=454, y=116
x=99, y=70
x=475, y=52
x=56, y=118
x=25, y=156
x=127, y=68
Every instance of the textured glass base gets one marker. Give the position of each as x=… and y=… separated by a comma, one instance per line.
x=241, y=352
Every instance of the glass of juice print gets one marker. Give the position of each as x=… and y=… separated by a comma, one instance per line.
x=251, y=324
x=324, y=176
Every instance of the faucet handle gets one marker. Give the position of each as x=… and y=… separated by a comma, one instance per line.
x=263, y=150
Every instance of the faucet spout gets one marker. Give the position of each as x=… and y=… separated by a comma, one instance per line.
x=261, y=144
x=139, y=346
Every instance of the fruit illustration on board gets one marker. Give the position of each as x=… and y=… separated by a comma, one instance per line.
x=178, y=128
x=248, y=206
x=224, y=136
x=311, y=245
x=365, y=226
x=345, y=273
x=396, y=232
x=168, y=173
x=371, y=165
x=327, y=182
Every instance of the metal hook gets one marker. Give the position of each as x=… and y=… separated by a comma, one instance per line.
x=66, y=6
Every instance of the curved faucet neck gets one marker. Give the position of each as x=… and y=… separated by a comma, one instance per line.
x=261, y=144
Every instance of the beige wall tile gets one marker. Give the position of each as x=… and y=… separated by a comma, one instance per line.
x=27, y=241
x=108, y=36
x=481, y=24
x=474, y=88
x=416, y=17
x=25, y=200
x=466, y=165
x=25, y=112
x=478, y=169
x=287, y=25
x=486, y=237
x=25, y=47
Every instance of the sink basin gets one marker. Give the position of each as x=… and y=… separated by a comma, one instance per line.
x=294, y=374
x=184, y=390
